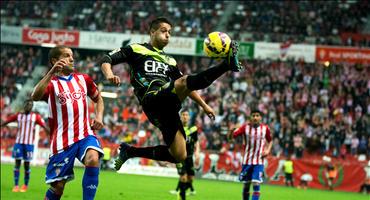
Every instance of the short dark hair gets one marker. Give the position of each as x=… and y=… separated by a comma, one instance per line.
x=28, y=100
x=256, y=111
x=154, y=24
x=55, y=52
x=184, y=110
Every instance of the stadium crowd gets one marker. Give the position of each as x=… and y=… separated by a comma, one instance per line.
x=17, y=63
x=324, y=110
x=308, y=106
x=298, y=22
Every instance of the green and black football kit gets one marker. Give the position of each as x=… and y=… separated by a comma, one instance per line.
x=153, y=74
x=187, y=167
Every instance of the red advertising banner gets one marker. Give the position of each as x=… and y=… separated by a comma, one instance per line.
x=342, y=54
x=350, y=176
x=227, y=166
x=355, y=37
x=58, y=37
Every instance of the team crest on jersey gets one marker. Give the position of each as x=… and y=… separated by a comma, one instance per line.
x=114, y=51
x=68, y=97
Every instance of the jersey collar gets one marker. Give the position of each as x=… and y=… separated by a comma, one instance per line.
x=66, y=78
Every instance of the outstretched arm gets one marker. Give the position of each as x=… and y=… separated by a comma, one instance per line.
x=106, y=62
x=12, y=118
x=207, y=109
x=235, y=132
x=108, y=73
x=42, y=123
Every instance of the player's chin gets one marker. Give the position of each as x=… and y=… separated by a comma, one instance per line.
x=165, y=42
x=69, y=70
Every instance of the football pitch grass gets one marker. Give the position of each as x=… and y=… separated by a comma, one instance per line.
x=114, y=186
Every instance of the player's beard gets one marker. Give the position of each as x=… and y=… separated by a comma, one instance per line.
x=162, y=42
x=255, y=123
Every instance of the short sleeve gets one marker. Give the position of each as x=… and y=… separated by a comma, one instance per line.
x=40, y=121
x=48, y=89
x=12, y=118
x=92, y=88
x=268, y=134
x=239, y=131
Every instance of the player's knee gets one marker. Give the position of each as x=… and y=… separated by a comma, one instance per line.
x=58, y=187
x=181, y=82
x=181, y=86
x=255, y=183
x=92, y=159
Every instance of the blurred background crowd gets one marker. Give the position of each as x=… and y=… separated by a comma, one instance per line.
x=272, y=21
x=310, y=107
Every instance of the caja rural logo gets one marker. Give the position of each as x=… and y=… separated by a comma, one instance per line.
x=323, y=175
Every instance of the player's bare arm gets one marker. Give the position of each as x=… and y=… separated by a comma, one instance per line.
x=97, y=123
x=207, y=109
x=197, y=151
x=108, y=73
x=230, y=134
x=39, y=90
x=267, y=151
x=106, y=62
x=47, y=130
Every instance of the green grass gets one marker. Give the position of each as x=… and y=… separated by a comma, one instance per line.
x=114, y=186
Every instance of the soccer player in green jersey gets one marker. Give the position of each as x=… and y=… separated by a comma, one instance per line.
x=186, y=168
x=161, y=88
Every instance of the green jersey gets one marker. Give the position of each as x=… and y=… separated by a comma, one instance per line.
x=150, y=68
x=191, y=138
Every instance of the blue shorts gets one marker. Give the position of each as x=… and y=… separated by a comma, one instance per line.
x=60, y=165
x=251, y=173
x=24, y=151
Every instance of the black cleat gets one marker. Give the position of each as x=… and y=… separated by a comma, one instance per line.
x=232, y=58
x=122, y=156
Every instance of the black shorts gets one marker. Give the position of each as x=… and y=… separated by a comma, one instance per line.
x=288, y=177
x=187, y=167
x=161, y=106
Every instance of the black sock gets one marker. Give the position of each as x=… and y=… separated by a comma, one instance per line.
x=182, y=190
x=246, y=191
x=159, y=152
x=205, y=78
x=190, y=185
x=178, y=186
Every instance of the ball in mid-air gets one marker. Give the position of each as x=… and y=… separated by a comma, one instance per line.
x=216, y=45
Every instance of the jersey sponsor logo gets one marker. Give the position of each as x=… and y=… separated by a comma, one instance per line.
x=154, y=67
x=61, y=164
x=323, y=176
x=67, y=97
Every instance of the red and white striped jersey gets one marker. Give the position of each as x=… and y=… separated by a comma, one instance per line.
x=255, y=139
x=26, y=126
x=68, y=109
